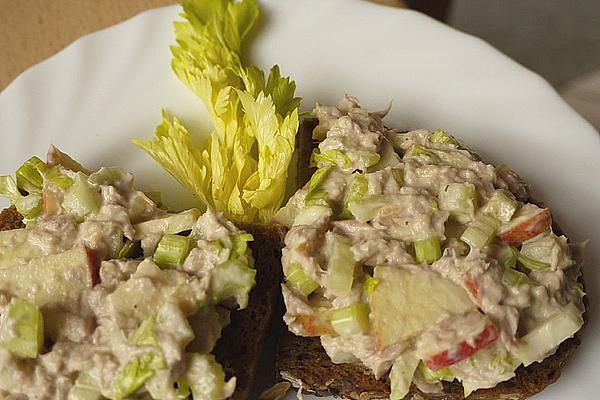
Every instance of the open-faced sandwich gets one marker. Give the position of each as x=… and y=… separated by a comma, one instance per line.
x=104, y=294
x=420, y=268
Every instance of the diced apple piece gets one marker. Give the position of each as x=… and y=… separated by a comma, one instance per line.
x=94, y=262
x=315, y=325
x=404, y=303
x=526, y=226
x=50, y=279
x=463, y=350
x=473, y=286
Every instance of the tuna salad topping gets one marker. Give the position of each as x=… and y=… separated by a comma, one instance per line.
x=410, y=255
x=105, y=295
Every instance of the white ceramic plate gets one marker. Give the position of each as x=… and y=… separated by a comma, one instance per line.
x=109, y=87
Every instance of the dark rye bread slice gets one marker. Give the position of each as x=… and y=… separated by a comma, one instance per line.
x=239, y=348
x=10, y=219
x=303, y=362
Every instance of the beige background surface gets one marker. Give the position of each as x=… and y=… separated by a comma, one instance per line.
x=33, y=30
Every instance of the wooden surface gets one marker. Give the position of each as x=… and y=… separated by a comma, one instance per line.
x=33, y=30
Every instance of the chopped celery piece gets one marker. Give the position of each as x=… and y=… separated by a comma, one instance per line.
x=107, y=176
x=368, y=158
x=543, y=339
x=546, y=249
x=513, y=278
x=370, y=285
x=503, y=364
x=135, y=373
x=367, y=208
x=440, y=374
x=460, y=200
x=172, y=251
x=428, y=250
x=351, y=320
x=418, y=150
x=481, y=231
x=130, y=250
x=532, y=264
x=54, y=176
x=388, y=158
x=233, y=278
x=173, y=223
x=296, y=277
x=144, y=334
x=578, y=289
x=155, y=196
x=443, y=137
x=29, y=177
x=206, y=378
x=398, y=176
x=401, y=375
x=28, y=206
x=82, y=199
x=239, y=244
x=501, y=205
x=85, y=389
x=22, y=329
x=341, y=265
x=433, y=204
x=330, y=158
x=316, y=195
x=507, y=256
x=182, y=390
x=311, y=214
x=358, y=189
